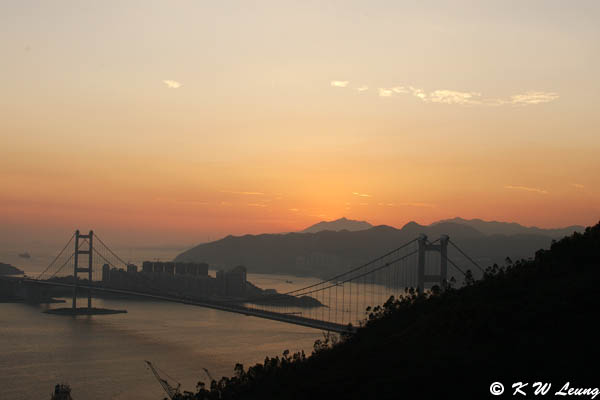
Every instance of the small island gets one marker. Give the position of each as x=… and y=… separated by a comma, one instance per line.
x=270, y=297
x=7, y=269
x=84, y=311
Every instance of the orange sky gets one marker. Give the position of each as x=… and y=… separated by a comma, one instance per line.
x=163, y=125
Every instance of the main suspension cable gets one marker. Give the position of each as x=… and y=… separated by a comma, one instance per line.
x=57, y=257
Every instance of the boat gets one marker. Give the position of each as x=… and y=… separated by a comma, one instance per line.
x=62, y=391
x=25, y=255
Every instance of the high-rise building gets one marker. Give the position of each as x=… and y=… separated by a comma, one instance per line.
x=159, y=267
x=180, y=268
x=192, y=269
x=147, y=266
x=169, y=268
x=222, y=282
x=105, y=273
x=233, y=282
x=203, y=269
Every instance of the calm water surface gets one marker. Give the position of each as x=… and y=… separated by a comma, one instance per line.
x=102, y=357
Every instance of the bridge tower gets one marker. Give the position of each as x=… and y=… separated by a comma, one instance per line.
x=442, y=247
x=76, y=268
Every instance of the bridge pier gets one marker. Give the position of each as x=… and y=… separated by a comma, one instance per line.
x=372, y=282
x=75, y=265
x=421, y=268
x=90, y=239
x=444, y=239
x=425, y=246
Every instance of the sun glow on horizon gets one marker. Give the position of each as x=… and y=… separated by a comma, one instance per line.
x=212, y=119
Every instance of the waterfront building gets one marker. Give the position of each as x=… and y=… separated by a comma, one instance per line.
x=147, y=266
x=233, y=282
x=169, y=268
x=202, y=269
x=159, y=267
x=180, y=268
x=105, y=273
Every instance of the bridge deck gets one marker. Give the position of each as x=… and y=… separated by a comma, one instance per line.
x=238, y=309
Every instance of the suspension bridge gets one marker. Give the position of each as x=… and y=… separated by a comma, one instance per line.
x=336, y=304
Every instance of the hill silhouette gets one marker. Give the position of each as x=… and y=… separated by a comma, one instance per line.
x=325, y=253
x=338, y=225
x=529, y=322
x=512, y=228
x=7, y=269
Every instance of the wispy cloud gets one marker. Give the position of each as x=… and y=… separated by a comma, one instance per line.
x=294, y=209
x=319, y=215
x=361, y=194
x=447, y=96
x=420, y=93
x=577, y=185
x=172, y=84
x=454, y=97
x=244, y=193
x=389, y=92
x=383, y=92
x=533, y=98
x=408, y=204
x=339, y=83
x=257, y=205
x=181, y=201
x=417, y=204
x=526, y=189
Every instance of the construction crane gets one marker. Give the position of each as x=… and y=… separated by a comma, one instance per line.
x=169, y=390
x=208, y=374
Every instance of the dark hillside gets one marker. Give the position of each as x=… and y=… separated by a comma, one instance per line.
x=533, y=321
x=326, y=253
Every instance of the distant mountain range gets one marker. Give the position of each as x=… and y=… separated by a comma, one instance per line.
x=512, y=228
x=338, y=225
x=328, y=251
x=485, y=227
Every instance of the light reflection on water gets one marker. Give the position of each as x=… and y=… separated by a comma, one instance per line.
x=101, y=357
